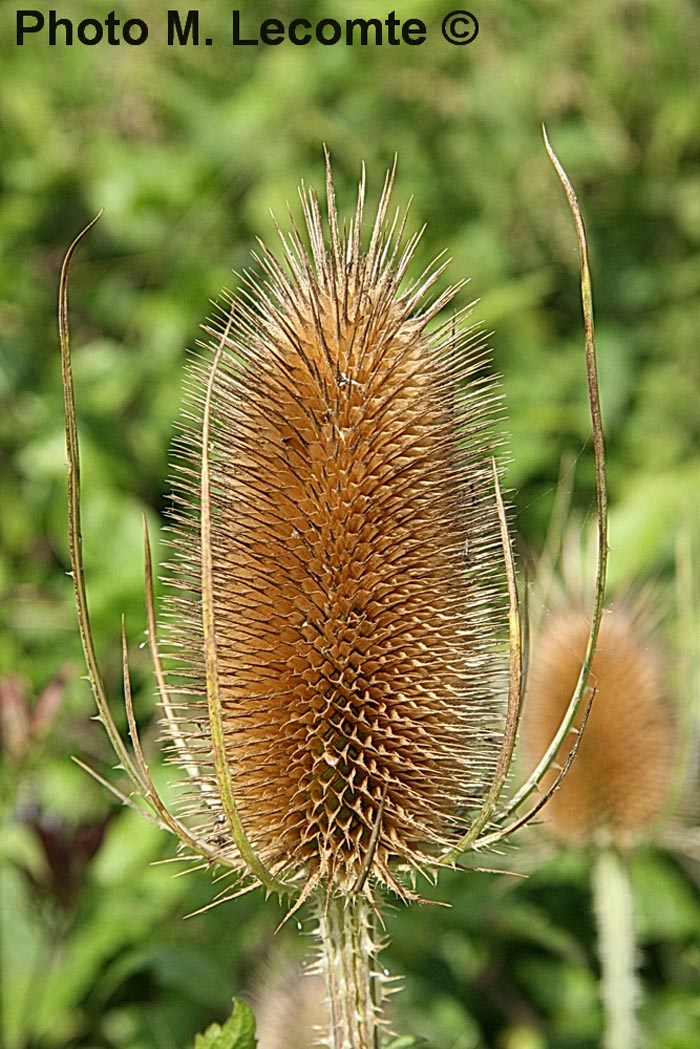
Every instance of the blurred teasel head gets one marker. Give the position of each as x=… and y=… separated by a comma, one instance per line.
x=621, y=789
x=618, y=787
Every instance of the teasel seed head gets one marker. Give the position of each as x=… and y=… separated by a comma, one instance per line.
x=341, y=559
x=356, y=561
x=618, y=785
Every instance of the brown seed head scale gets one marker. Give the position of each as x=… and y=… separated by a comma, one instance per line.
x=618, y=784
x=356, y=561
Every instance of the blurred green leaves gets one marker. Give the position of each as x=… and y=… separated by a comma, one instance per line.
x=188, y=150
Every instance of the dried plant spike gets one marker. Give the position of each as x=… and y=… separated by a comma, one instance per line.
x=347, y=469
x=617, y=788
x=342, y=588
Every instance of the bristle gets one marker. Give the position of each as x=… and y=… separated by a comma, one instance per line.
x=618, y=783
x=356, y=558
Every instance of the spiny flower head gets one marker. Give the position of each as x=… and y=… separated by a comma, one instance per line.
x=340, y=562
x=618, y=784
x=356, y=561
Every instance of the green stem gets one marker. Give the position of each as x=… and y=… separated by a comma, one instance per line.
x=348, y=963
x=620, y=991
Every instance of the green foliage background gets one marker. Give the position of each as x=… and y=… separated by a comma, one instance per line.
x=187, y=150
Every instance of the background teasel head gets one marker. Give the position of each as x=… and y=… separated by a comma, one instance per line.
x=621, y=789
x=289, y=1003
x=618, y=786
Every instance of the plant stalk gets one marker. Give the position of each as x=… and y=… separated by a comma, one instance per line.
x=614, y=909
x=348, y=953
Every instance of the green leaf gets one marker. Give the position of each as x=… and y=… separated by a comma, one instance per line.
x=237, y=1033
x=666, y=903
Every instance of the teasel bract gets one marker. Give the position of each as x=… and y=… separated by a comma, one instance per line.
x=340, y=570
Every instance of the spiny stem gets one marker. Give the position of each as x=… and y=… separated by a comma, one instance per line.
x=349, y=966
x=619, y=988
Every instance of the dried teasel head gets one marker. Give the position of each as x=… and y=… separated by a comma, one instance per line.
x=618, y=786
x=339, y=566
x=340, y=562
x=356, y=560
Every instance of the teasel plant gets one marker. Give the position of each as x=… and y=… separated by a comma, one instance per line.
x=631, y=772
x=342, y=593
